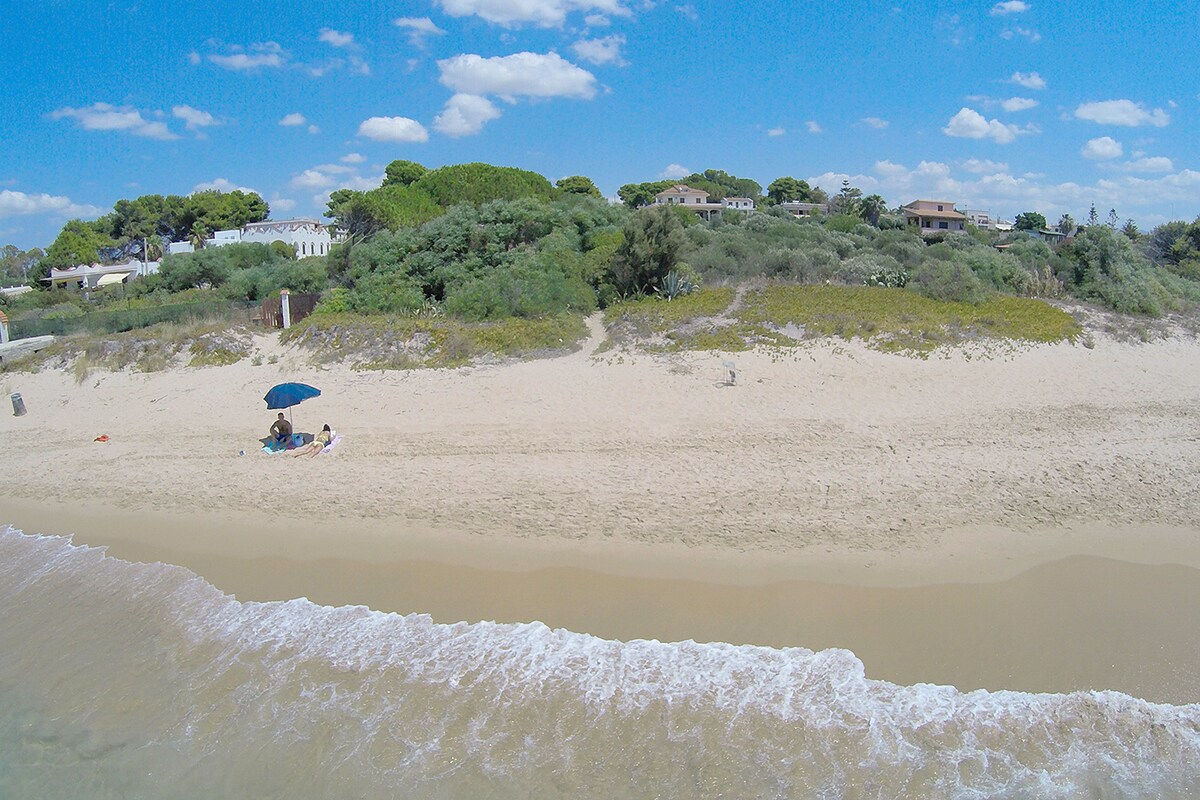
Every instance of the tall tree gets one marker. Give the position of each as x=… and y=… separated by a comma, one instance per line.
x=403, y=173
x=871, y=207
x=653, y=239
x=79, y=242
x=1093, y=218
x=15, y=263
x=578, y=184
x=1030, y=221
x=1130, y=229
x=1066, y=224
x=636, y=195
x=1113, y=219
x=788, y=190
x=847, y=200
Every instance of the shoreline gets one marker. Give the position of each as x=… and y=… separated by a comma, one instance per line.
x=1064, y=623
x=1028, y=522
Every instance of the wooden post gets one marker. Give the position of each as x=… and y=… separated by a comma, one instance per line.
x=3, y=328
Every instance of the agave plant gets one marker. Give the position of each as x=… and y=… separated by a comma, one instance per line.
x=674, y=285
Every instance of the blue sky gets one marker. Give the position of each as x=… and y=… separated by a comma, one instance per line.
x=1005, y=106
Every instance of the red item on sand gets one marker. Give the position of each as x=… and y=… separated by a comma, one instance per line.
x=101, y=438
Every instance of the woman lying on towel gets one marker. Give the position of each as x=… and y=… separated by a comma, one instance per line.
x=316, y=445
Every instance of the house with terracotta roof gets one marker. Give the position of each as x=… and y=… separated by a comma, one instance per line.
x=697, y=200
x=934, y=216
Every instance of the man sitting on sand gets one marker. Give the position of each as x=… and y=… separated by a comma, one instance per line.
x=281, y=432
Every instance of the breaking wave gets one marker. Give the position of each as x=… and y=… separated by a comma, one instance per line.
x=143, y=680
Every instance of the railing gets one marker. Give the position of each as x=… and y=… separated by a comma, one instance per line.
x=115, y=321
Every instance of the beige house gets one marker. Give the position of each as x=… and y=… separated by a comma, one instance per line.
x=934, y=216
x=692, y=199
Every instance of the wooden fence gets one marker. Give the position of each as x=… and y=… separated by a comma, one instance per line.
x=300, y=305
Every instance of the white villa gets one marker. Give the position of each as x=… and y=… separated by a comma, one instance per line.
x=308, y=237
x=92, y=276
x=980, y=219
x=798, y=209
x=933, y=216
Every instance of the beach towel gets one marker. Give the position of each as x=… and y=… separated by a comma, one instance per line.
x=337, y=438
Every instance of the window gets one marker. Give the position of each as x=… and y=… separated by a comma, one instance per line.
x=941, y=209
x=943, y=224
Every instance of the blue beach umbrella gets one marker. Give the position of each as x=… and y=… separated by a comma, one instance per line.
x=286, y=395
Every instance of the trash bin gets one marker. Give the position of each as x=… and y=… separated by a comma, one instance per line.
x=18, y=405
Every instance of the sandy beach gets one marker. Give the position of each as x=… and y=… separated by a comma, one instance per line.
x=1023, y=518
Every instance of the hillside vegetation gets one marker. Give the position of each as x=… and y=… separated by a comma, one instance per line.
x=473, y=259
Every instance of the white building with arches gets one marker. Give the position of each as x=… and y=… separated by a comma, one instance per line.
x=308, y=237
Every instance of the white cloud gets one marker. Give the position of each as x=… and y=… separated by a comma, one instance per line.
x=1018, y=104
x=672, y=171
x=1009, y=7
x=312, y=179
x=353, y=158
x=13, y=204
x=780, y=131
x=105, y=117
x=983, y=166
x=970, y=124
x=529, y=74
x=890, y=169
x=393, y=129
x=221, y=185
x=1104, y=147
x=1122, y=112
x=1030, y=80
x=1028, y=33
x=352, y=64
x=875, y=122
x=597, y=21
x=418, y=29
x=278, y=203
x=465, y=115
x=605, y=50
x=813, y=126
x=194, y=118
x=292, y=120
x=544, y=13
x=336, y=38
x=261, y=54
x=1150, y=164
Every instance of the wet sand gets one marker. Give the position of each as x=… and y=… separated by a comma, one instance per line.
x=1071, y=623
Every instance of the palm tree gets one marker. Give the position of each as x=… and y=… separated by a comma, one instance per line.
x=871, y=207
x=198, y=236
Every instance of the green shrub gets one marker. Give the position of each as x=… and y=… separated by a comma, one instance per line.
x=950, y=281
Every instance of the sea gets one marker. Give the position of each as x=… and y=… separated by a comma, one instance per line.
x=129, y=680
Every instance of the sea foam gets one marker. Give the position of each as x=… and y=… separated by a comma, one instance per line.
x=123, y=679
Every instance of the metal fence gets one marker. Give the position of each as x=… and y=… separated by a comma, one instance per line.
x=115, y=321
